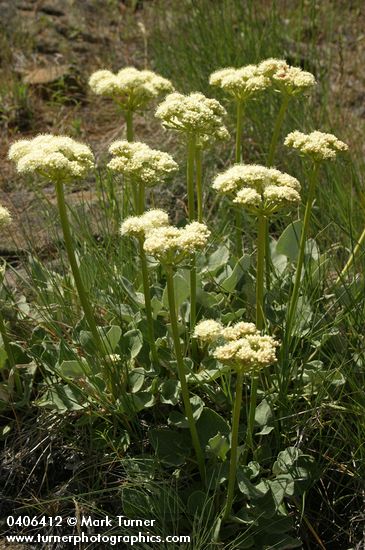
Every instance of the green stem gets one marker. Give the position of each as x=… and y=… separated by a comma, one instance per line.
x=129, y=122
x=147, y=301
x=277, y=129
x=303, y=237
x=190, y=177
x=251, y=419
x=238, y=159
x=234, y=446
x=351, y=259
x=239, y=120
x=260, y=272
x=181, y=372
x=199, y=183
x=141, y=198
x=89, y=315
x=193, y=306
x=260, y=323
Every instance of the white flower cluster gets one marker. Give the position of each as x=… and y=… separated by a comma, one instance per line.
x=259, y=189
x=241, y=345
x=242, y=83
x=171, y=245
x=194, y=115
x=55, y=157
x=141, y=163
x=5, y=216
x=318, y=145
x=140, y=226
x=130, y=88
x=246, y=82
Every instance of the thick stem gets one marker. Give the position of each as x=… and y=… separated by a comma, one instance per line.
x=147, y=301
x=199, y=183
x=190, y=177
x=129, y=122
x=141, y=198
x=181, y=372
x=239, y=119
x=89, y=315
x=193, y=306
x=251, y=419
x=238, y=159
x=303, y=237
x=351, y=259
x=277, y=129
x=260, y=272
x=234, y=446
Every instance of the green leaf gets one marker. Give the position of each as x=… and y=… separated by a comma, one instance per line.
x=131, y=343
x=136, y=378
x=197, y=404
x=182, y=290
x=288, y=242
x=218, y=259
x=286, y=460
x=170, y=446
x=62, y=398
x=74, y=369
x=219, y=446
x=249, y=489
x=177, y=419
x=112, y=337
x=263, y=413
x=230, y=283
x=209, y=424
x=170, y=391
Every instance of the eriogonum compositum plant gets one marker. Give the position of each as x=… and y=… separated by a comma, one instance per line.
x=142, y=166
x=140, y=227
x=61, y=160
x=262, y=192
x=131, y=89
x=289, y=82
x=246, y=351
x=199, y=120
x=171, y=245
x=317, y=147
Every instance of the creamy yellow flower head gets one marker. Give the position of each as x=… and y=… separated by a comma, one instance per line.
x=208, y=331
x=257, y=188
x=248, y=354
x=130, y=88
x=270, y=66
x=317, y=145
x=54, y=157
x=141, y=163
x=171, y=245
x=293, y=80
x=140, y=226
x=242, y=83
x=240, y=346
x=5, y=216
x=193, y=115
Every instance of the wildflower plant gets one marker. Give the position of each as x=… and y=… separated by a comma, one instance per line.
x=245, y=351
x=5, y=220
x=316, y=147
x=61, y=160
x=131, y=89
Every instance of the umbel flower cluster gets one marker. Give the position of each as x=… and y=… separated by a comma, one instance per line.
x=257, y=188
x=169, y=244
x=245, y=82
x=5, y=216
x=139, y=162
x=130, y=88
x=194, y=115
x=54, y=157
x=240, y=346
x=317, y=145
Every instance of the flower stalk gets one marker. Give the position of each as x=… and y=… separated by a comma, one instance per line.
x=192, y=150
x=181, y=371
x=303, y=237
x=352, y=257
x=147, y=301
x=89, y=315
x=234, y=445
